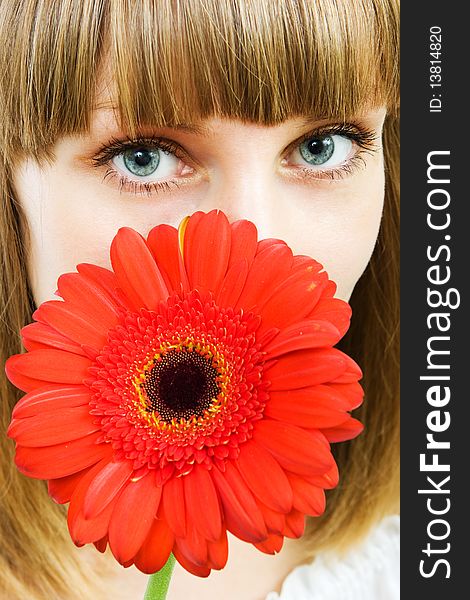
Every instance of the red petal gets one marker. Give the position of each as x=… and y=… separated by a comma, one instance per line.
x=54, y=366
x=38, y=335
x=50, y=399
x=330, y=289
x=188, y=565
x=265, y=477
x=295, y=524
x=84, y=531
x=193, y=546
x=304, y=368
x=299, y=451
x=104, y=487
x=174, y=506
x=136, y=269
x=311, y=408
x=303, y=335
x=275, y=521
x=217, y=552
x=244, y=242
x=269, y=266
x=328, y=480
x=351, y=374
x=267, y=242
x=352, y=393
x=73, y=323
x=308, y=498
x=101, y=544
x=105, y=278
x=334, y=310
x=61, y=490
x=271, y=545
x=89, y=295
x=202, y=503
x=163, y=243
x=49, y=428
x=232, y=284
x=156, y=549
x=242, y=516
x=206, y=253
x=75, y=520
x=183, y=226
x=348, y=430
x=23, y=382
x=302, y=262
x=292, y=300
x=60, y=460
x=133, y=515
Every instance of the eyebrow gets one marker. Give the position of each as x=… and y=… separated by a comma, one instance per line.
x=186, y=127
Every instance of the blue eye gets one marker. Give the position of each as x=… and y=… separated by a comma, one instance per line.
x=317, y=151
x=148, y=163
x=141, y=161
x=324, y=151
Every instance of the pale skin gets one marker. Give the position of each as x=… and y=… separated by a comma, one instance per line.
x=248, y=171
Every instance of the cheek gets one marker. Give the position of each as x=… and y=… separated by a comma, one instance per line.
x=346, y=252
x=339, y=230
x=64, y=224
x=72, y=218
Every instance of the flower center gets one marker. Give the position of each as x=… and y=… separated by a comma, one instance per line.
x=181, y=384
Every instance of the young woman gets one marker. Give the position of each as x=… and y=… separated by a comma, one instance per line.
x=283, y=113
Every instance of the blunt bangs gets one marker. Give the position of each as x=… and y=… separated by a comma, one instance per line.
x=179, y=61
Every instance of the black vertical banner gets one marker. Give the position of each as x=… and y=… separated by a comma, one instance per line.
x=435, y=323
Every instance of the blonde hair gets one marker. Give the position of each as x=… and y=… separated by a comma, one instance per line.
x=173, y=62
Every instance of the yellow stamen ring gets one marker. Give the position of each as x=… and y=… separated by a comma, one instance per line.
x=188, y=344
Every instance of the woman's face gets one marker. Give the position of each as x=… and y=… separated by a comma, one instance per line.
x=316, y=184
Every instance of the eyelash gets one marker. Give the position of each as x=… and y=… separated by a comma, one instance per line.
x=363, y=137
x=115, y=146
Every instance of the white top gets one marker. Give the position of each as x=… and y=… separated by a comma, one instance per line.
x=370, y=571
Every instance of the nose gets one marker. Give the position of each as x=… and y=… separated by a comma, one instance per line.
x=245, y=186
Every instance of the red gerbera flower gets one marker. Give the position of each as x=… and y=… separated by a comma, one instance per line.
x=187, y=393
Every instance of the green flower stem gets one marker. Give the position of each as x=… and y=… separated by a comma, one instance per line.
x=159, y=582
